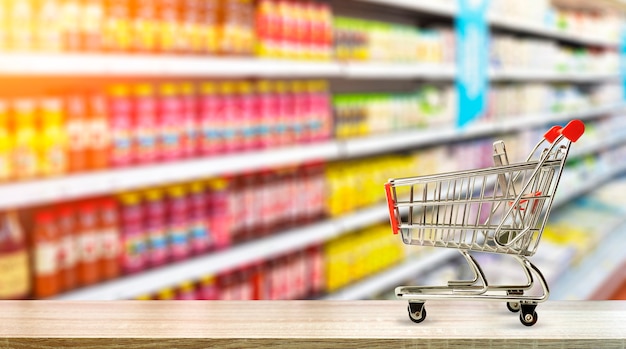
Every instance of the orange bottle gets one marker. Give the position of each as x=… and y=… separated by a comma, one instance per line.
x=89, y=251
x=45, y=255
x=67, y=247
x=109, y=239
x=75, y=134
x=98, y=132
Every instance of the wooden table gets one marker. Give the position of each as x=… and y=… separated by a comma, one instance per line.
x=306, y=324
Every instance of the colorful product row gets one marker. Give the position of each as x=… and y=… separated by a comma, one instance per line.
x=296, y=275
x=294, y=29
x=374, y=113
x=145, y=123
x=146, y=26
x=365, y=40
x=546, y=55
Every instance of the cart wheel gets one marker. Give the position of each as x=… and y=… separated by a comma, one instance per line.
x=417, y=312
x=513, y=307
x=528, y=319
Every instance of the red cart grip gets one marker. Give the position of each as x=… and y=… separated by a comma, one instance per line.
x=573, y=130
x=553, y=133
x=392, y=211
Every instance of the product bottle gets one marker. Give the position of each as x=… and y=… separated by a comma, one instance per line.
x=21, y=25
x=116, y=36
x=15, y=277
x=98, y=133
x=211, y=125
x=6, y=140
x=208, y=34
x=178, y=222
x=170, y=128
x=48, y=29
x=145, y=124
x=299, y=96
x=109, y=237
x=219, y=215
x=189, y=117
x=25, y=141
x=267, y=114
x=52, y=139
x=68, y=247
x=91, y=25
x=89, y=249
x=190, y=15
x=132, y=234
x=145, y=26
x=70, y=19
x=186, y=292
x=246, y=120
x=230, y=117
x=169, y=32
x=121, y=126
x=207, y=288
x=76, y=133
x=284, y=112
x=198, y=217
x=157, y=246
x=45, y=255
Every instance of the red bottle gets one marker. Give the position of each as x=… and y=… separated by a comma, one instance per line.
x=109, y=237
x=89, y=249
x=45, y=255
x=68, y=248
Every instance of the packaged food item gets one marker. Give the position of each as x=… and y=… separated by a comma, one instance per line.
x=171, y=131
x=207, y=32
x=117, y=32
x=186, y=291
x=121, y=125
x=92, y=25
x=24, y=156
x=211, y=135
x=52, y=139
x=21, y=24
x=98, y=131
x=145, y=26
x=76, y=132
x=157, y=244
x=178, y=226
x=267, y=113
x=132, y=234
x=229, y=115
x=146, y=125
x=198, y=217
x=189, y=118
x=207, y=288
x=45, y=255
x=6, y=143
x=109, y=238
x=218, y=194
x=15, y=274
x=89, y=248
x=70, y=21
x=47, y=27
x=68, y=246
x=169, y=33
x=246, y=118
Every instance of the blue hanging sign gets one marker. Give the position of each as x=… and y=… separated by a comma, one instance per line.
x=472, y=59
x=622, y=58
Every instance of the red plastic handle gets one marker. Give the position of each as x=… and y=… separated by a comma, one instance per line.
x=553, y=133
x=573, y=130
x=392, y=211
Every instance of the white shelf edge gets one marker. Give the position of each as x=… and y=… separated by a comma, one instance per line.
x=399, y=71
x=526, y=74
x=391, y=277
x=440, y=8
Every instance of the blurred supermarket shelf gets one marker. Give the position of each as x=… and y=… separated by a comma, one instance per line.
x=598, y=145
x=213, y=263
x=525, y=74
x=42, y=191
x=391, y=277
x=497, y=21
x=400, y=140
x=594, y=181
x=511, y=23
x=594, y=269
x=276, y=245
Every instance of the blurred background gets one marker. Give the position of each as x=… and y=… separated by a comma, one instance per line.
x=237, y=149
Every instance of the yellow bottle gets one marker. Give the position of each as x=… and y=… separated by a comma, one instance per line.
x=5, y=143
x=25, y=142
x=52, y=139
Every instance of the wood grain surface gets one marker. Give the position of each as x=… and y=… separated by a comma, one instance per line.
x=306, y=324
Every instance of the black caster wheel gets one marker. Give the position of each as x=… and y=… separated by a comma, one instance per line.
x=417, y=312
x=528, y=319
x=513, y=307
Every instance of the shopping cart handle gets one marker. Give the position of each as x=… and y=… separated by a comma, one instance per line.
x=573, y=130
x=392, y=210
x=553, y=133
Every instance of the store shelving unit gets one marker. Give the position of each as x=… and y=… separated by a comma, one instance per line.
x=42, y=191
x=276, y=245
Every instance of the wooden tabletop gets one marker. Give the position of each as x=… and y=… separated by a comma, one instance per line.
x=305, y=324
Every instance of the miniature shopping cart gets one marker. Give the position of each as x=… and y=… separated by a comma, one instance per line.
x=501, y=209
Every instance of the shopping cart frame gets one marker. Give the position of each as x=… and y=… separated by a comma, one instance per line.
x=519, y=206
